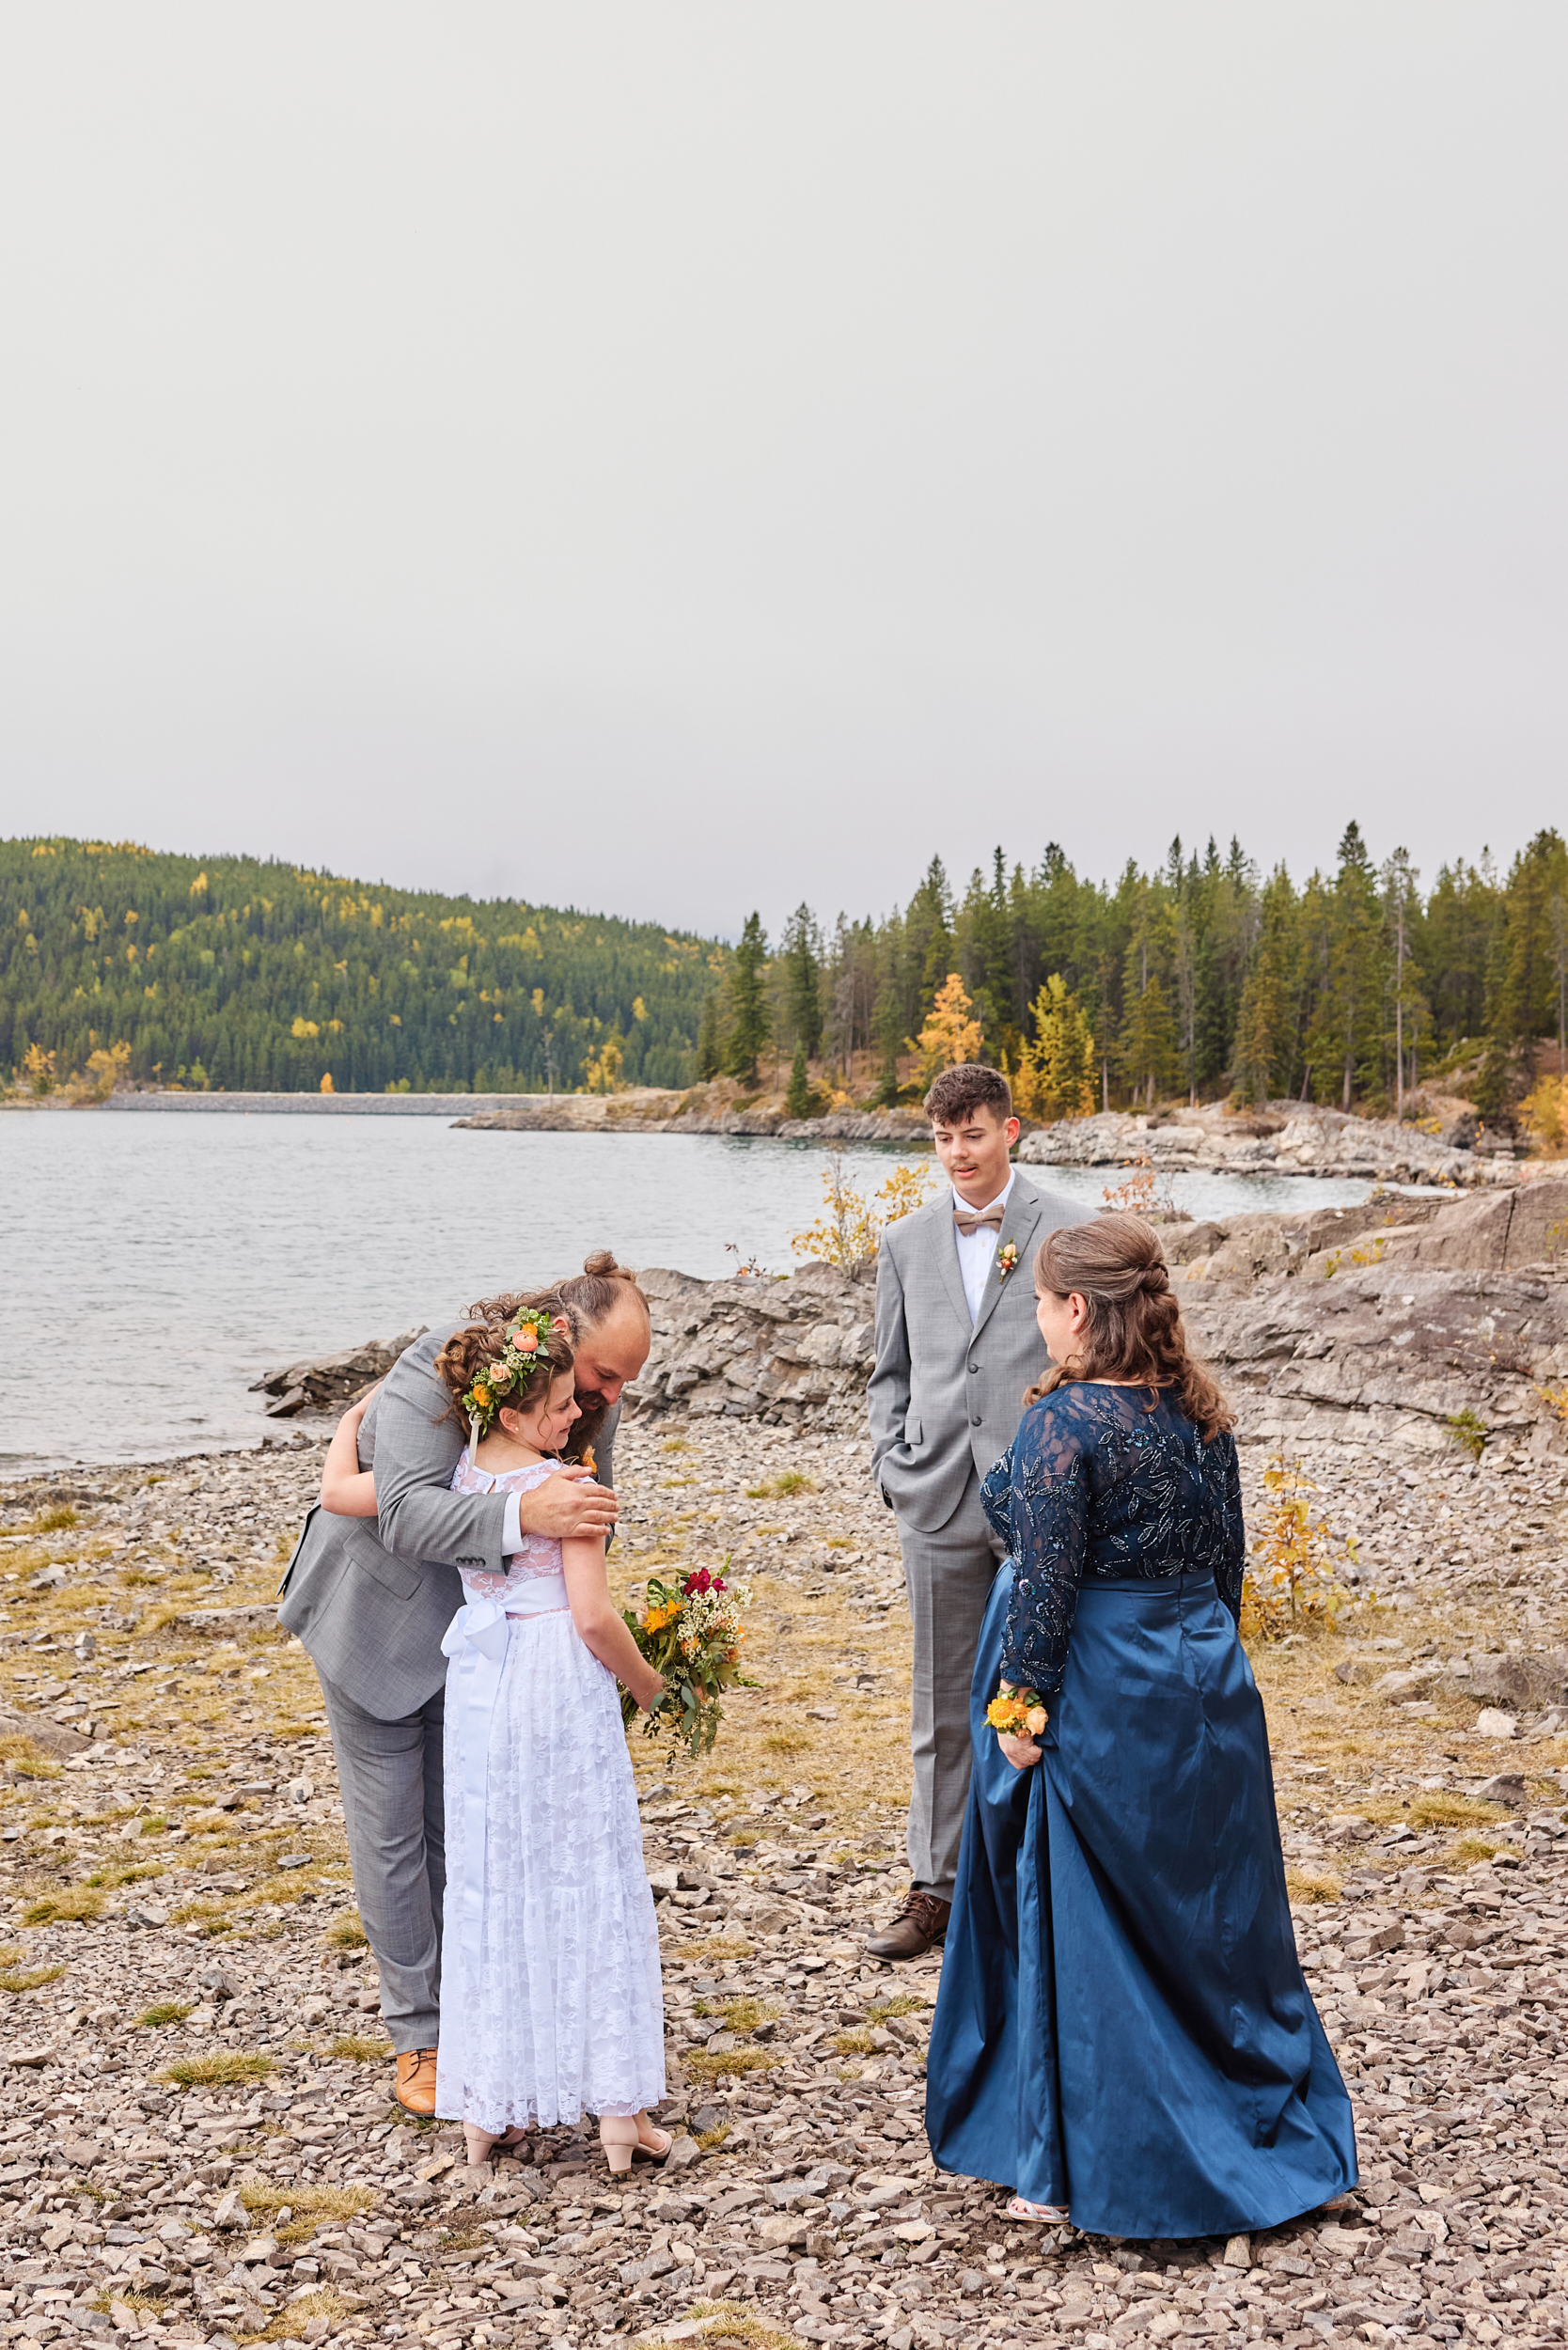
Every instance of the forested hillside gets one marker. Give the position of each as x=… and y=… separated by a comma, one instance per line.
x=1201, y=976
x=229, y=972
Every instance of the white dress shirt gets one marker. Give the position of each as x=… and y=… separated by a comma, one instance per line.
x=977, y=1250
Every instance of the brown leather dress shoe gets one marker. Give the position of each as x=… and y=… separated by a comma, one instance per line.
x=415, y=2089
x=920, y=1925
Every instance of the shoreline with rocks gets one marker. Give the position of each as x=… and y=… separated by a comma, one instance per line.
x=1283, y=1138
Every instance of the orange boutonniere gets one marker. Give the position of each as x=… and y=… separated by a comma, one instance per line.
x=1006, y=1257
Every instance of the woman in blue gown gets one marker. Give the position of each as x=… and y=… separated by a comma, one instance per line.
x=1123, y=2031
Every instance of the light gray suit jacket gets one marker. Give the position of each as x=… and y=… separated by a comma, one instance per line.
x=371, y=1600
x=946, y=1396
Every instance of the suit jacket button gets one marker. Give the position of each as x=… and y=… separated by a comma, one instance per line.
x=973, y=1367
x=974, y=1420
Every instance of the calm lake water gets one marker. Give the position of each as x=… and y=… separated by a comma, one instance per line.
x=180, y=1257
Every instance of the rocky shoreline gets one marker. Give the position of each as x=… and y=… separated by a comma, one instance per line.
x=1284, y=1138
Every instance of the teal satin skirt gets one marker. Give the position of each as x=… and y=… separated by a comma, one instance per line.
x=1122, y=2025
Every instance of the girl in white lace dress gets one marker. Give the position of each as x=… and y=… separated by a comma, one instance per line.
x=552, y=2002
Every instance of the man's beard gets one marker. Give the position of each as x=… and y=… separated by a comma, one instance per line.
x=593, y=1407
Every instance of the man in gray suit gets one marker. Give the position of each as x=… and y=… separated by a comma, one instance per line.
x=371, y=1600
x=956, y=1345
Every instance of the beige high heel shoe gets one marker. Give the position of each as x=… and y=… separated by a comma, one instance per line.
x=480, y=2145
x=623, y=2135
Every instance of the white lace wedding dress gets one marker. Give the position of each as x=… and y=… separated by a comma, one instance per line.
x=551, y=2003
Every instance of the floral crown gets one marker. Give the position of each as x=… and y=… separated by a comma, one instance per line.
x=528, y=1343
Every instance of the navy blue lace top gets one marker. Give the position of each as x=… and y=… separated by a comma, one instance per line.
x=1096, y=1484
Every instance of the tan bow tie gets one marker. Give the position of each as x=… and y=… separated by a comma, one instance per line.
x=969, y=1221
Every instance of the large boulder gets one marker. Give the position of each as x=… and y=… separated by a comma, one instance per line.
x=332, y=1382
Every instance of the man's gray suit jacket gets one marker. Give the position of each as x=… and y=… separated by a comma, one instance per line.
x=370, y=1599
x=946, y=1394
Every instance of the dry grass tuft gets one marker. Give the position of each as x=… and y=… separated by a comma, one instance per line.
x=361, y=2048
x=204, y=1914
x=163, y=2011
x=707, y=2065
x=349, y=1934
x=1433, y=1809
x=289, y=2324
x=854, y=2043
x=779, y=1488
x=206, y=2072
x=730, y=2325
x=54, y=1521
x=739, y=2014
x=34, y=1979
x=1311, y=1885
x=78, y=1902
x=1471, y=1848
x=719, y=1946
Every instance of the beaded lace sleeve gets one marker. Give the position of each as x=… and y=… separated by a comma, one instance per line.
x=1050, y=1513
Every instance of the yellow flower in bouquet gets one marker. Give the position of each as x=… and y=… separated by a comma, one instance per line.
x=692, y=1635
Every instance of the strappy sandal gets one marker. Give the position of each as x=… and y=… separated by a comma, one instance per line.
x=623, y=2135
x=1047, y=2215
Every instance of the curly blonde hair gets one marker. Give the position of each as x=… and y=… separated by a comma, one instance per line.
x=1135, y=1331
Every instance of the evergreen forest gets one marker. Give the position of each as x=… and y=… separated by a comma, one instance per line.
x=1200, y=976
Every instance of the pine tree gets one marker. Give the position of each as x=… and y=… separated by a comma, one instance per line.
x=798, y=1101
x=710, y=1047
x=800, y=956
x=749, y=1023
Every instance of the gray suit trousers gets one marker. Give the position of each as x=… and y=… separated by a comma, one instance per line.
x=394, y=1808
x=948, y=1576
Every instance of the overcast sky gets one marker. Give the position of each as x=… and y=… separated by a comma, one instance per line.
x=673, y=458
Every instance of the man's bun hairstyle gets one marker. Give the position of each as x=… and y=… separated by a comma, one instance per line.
x=971, y=1086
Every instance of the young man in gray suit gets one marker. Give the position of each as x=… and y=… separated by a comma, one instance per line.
x=956, y=1345
x=372, y=1598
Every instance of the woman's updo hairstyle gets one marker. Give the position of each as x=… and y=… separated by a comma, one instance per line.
x=484, y=1342
x=1135, y=1331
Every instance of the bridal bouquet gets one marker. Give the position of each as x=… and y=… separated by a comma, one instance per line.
x=693, y=1634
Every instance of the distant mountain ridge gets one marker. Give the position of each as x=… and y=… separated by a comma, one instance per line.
x=236, y=972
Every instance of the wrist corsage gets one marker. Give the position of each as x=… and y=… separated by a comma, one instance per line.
x=1017, y=1712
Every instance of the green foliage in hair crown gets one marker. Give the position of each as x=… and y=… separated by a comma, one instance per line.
x=506, y=1376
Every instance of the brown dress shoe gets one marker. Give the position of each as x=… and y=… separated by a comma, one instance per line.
x=920, y=1925
x=415, y=2089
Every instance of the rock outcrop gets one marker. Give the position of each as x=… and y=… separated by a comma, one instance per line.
x=1284, y=1139
x=1383, y=1323
x=795, y=1349
x=1390, y=1320
x=333, y=1380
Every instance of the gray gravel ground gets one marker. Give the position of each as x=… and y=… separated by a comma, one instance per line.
x=195, y=1832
